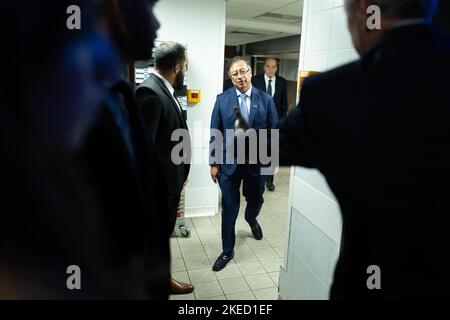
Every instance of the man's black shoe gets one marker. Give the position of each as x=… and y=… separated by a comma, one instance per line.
x=257, y=231
x=222, y=261
x=271, y=187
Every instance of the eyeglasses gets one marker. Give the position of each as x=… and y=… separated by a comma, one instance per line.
x=239, y=73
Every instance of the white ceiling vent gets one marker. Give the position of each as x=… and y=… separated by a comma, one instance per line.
x=280, y=18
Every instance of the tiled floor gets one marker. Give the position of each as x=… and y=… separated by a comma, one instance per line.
x=254, y=272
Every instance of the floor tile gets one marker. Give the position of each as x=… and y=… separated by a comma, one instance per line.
x=207, y=230
x=189, y=242
x=259, y=281
x=230, y=271
x=208, y=290
x=247, y=295
x=267, y=294
x=276, y=241
x=189, y=296
x=257, y=244
x=215, y=298
x=245, y=257
x=197, y=263
x=275, y=276
x=265, y=253
x=212, y=248
x=181, y=276
x=249, y=268
x=280, y=251
x=173, y=242
x=202, y=275
x=234, y=285
x=193, y=251
x=177, y=265
x=175, y=253
x=272, y=265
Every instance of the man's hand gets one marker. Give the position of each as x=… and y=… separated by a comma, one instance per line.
x=215, y=174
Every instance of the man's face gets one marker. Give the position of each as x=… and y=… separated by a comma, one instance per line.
x=181, y=73
x=241, y=75
x=270, y=67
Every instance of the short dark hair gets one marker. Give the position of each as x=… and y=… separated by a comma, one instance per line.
x=236, y=59
x=169, y=54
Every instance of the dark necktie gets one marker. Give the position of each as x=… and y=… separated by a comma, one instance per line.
x=269, y=88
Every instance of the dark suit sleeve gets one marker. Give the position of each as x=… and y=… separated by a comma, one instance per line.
x=284, y=99
x=151, y=110
x=297, y=134
x=256, y=81
x=273, y=116
x=216, y=127
x=227, y=84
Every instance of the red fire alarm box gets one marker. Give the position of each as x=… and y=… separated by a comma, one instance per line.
x=194, y=96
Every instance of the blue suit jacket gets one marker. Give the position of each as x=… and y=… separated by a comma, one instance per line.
x=263, y=115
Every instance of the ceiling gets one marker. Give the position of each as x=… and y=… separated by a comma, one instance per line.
x=259, y=20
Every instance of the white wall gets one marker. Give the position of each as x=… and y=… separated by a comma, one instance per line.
x=200, y=24
x=314, y=226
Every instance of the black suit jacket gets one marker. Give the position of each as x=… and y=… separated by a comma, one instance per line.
x=378, y=131
x=130, y=195
x=161, y=118
x=280, y=96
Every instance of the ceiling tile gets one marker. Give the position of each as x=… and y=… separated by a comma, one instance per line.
x=292, y=10
x=249, y=9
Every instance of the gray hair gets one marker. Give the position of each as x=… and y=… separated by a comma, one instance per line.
x=414, y=9
x=169, y=54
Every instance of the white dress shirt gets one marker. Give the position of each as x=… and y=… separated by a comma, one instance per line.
x=169, y=87
x=274, y=80
x=248, y=99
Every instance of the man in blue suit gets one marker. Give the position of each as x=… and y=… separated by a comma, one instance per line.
x=257, y=109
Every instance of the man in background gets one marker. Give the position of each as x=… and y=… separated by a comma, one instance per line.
x=276, y=87
x=377, y=129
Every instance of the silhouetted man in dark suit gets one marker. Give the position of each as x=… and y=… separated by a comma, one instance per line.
x=162, y=116
x=275, y=86
x=122, y=165
x=377, y=129
x=48, y=215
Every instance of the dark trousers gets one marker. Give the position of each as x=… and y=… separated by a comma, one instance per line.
x=253, y=190
x=269, y=179
x=172, y=208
